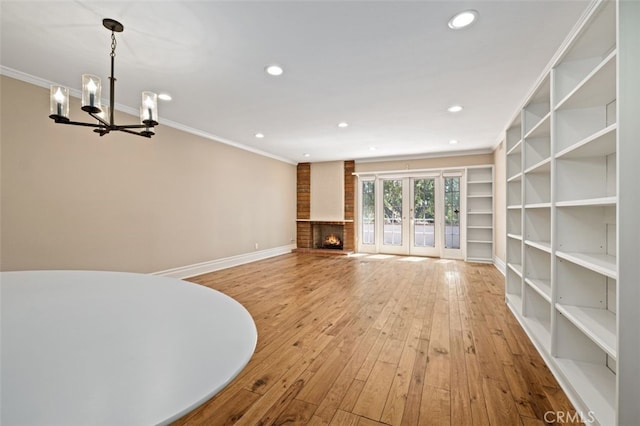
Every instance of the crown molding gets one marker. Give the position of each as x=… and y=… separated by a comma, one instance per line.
x=426, y=155
x=41, y=82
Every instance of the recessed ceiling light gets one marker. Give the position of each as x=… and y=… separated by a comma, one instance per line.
x=306, y=155
x=343, y=124
x=455, y=108
x=453, y=142
x=274, y=70
x=372, y=148
x=463, y=19
x=164, y=96
x=259, y=135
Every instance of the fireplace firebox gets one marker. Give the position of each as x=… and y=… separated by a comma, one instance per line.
x=328, y=236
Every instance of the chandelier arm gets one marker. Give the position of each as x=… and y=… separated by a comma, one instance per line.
x=144, y=135
x=97, y=117
x=130, y=126
x=78, y=123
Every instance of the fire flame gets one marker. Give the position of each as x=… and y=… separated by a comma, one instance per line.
x=332, y=239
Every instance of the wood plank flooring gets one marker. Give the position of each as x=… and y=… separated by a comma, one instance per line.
x=380, y=340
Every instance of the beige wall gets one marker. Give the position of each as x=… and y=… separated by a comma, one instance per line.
x=327, y=190
x=499, y=208
x=70, y=199
x=425, y=163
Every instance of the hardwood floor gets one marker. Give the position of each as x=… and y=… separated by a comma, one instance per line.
x=377, y=340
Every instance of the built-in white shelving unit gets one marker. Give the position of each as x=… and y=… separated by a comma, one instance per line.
x=564, y=279
x=479, y=214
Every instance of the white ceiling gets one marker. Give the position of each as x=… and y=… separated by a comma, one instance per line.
x=388, y=68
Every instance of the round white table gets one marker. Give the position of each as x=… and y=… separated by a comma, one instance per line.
x=112, y=348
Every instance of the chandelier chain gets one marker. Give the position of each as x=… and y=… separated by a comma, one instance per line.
x=113, y=44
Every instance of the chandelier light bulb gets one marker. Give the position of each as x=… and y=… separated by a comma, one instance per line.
x=59, y=97
x=59, y=104
x=91, y=93
x=92, y=87
x=149, y=109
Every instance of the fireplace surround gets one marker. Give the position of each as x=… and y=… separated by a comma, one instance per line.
x=343, y=229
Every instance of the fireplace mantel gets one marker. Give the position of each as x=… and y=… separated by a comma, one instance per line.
x=326, y=221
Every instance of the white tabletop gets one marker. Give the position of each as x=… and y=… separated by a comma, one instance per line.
x=112, y=348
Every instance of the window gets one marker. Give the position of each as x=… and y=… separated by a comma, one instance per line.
x=368, y=212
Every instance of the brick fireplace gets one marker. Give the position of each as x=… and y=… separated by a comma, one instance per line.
x=311, y=233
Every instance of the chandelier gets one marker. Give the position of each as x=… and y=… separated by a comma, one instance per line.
x=91, y=100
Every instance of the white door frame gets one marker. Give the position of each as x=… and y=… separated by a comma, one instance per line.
x=421, y=250
x=402, y=248
x=408, y=247
x=362, y=246
x=449, y=253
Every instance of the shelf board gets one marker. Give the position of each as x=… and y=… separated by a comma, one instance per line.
x=515, y=236
x=603, y=201
x=540, y=331
x=537, y=206
x=542, y=128
x=479, y=181
x=540, y=245
x=599, y=144
x=603, y=264
x=480, y=241
x=479, y=227
x=480, y=212
x=543, y=166
x=515, y=177
x=479, y=259
x=542, y=287
x=515, y=207
x=480, y=196
x=516, y=148
x=597, y=88
x=515, y=300
x=595, y=385
x=597, y=324
x=516, y=268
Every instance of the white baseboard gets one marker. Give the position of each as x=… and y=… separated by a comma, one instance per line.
x=223, y=263
x=500, y=265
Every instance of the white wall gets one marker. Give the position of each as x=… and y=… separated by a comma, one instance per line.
x=327, y=190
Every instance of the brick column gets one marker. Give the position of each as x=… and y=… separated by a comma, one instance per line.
x=303, y=206
x=349, y=205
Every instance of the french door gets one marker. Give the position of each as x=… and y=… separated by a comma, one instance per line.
x=411, y=215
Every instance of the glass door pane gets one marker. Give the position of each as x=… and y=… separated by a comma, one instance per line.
x=424, y=219
x=368, y=219
x=392, y=212
x=452, y=212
